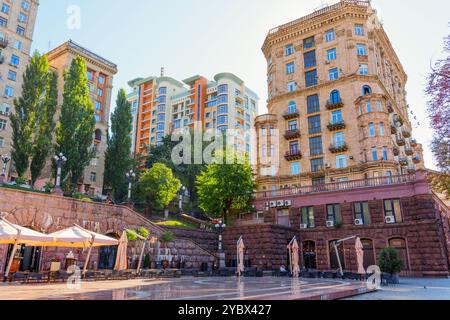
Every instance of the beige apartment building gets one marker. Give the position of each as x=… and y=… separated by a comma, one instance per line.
x=100, y=73
x=17, y=20
x=337, y=102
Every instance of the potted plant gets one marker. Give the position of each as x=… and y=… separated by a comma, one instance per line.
x=48, y=187
x=391, y=263
x=55, y=264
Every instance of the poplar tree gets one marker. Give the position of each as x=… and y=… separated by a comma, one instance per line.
x=117, y=157
x=75, y=130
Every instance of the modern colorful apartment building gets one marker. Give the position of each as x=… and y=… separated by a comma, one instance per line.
x=347, y=164
x=17, y=21
x=100, y=73
x=162, y=105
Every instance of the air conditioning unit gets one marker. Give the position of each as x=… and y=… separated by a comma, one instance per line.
x=273, y=204
x=327, y=61
x=390, y=220
x=327, y=165
x=303, y=226
x=330, y=224
x=280, y=203
x=288, y=203
x=359, y=222
x=266, y=204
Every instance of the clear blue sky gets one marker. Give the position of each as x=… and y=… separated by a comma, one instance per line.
x=206, y=37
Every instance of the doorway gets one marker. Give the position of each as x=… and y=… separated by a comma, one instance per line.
x=31, y=258
x=107, y=255
x=309, y=255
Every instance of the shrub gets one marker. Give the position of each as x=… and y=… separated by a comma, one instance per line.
x=147, y=261
x=143, y=232
x=21, y=181
x=48, y=187
x=131, y=236
x=167, y=237
x=390, y=262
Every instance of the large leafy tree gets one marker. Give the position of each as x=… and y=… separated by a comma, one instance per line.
x=27, y=107
x=224, y=188
x=74, y=133
x=157, y=187
x=438, y=92
x=117, y=158
x=45, y=126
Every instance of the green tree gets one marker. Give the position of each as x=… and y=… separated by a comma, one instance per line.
x=157, y=186
x=45, y=126
x=74, y=133
x=390, y=262
x=225, y=187
x=117, y=157
x=23, y=120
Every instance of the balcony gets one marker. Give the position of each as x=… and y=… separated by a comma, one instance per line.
x=291, y=114
x=292, y=134
x=416, y=160
x=413, y=143
x=337, y=186
x=293, y=155
x=403, y=161
x=400, y=141
x=406, y=133
x=394, y=130
x=390, y=108
x=338, y=125
x=398, y=119
x=338, y=148
x=333, y=105
x=396, y=151
x=4, y=43
x=409, y=151
x=411, y=169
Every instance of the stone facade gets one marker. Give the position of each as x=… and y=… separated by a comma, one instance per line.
x=47, y=213
x=337, y=102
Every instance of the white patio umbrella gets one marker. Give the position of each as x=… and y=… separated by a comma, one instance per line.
x=16, y=235
x=121, y=259
x=78, y=237
x=240, y=247
x=360, y=256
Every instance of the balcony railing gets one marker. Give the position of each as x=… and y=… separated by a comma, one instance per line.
x=400, y=141
x=293, y=155
x=338, y=148
x=292, y=134
x=416, y=160
x=413, y=143
x=409, y=151
x=403, y=161
x=396, y=152
x=3, y=43
x=291, y=114
x=332, y=105
x=393, y=130
x=337, y=125
x=406, y=133
x=337, y=186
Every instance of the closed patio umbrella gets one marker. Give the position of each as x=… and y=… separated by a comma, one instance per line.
x=16, y=235
x=78, y=237
x=240, y=247
x=360, y=256
x=294, y=257
x=121, y=259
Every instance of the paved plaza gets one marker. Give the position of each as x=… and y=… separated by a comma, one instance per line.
x=190, y=289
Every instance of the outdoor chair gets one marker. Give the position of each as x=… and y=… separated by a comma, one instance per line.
x=387, y=279
x=58, y=276
x=18, y=277
x=37, y=277
x=90, y=276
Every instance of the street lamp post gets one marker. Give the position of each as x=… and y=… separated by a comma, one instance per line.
x=130, y=177
x=220, y=227
x=180, y=203
x=5, y=161
x=60, y=160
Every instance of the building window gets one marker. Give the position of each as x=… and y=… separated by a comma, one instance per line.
x=12, y=75
x=334, y=213
x=335, y=97
x=9, y=91
x=386, y=154
x=25, y=5
x=98, y=105
x=93, y=177
x=292, y=86
x=392, y=208
x=329, y=35
x=20, y=31
x=292, y=108
x=222, y=120
x=101, y=79
x=368, y=106
x=371, y=130
x=318, y=181
x=337, y=117
x=361, y=49
x=317, y=165
x=100, y=92
x=331, y=54
x=307, y=215
x=5, y=108
x=223, y=88
x=362, y=212
x=2, y=142
x=308, y=43
x=3, y=124
x=22, y=17
x=293, y=125
x=310, y=59
x=15, y=60
x=295, y=168
x=294, y=147
x=379, y=106
x=311, y=78
x=314, y=125
x=374, y=154
x=313, y=104
x=363, y=69
x=5, y=8
x=341, y=161
x=289, y=50
x=381, y=127
x=223, y=109
x=290, y=68
x=316, y=146
x=3, y=22
x=17, y=45
x=333, y=74
x=90, y=75
x=359, y=29
x=339, y=139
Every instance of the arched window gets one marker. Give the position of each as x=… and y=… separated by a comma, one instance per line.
x=335, y=97
x=309, y=255
x=369, y=253
x=292, y=108
x=98, y=135
x=334, y=265
x=367, y=90
x=399, y=244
